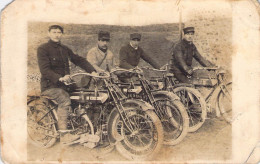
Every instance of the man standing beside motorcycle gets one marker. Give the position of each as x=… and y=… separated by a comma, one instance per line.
x=53, y=60
x=183, y=54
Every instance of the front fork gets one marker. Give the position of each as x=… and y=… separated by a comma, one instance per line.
x=113, y=90
x=160, y=113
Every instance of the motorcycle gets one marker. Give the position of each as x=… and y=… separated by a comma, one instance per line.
x=168, y=106
x=129, y=125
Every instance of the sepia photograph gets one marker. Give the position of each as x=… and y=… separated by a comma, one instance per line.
x=122, y=81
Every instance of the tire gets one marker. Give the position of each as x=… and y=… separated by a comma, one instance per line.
x=147, y=141
x=197, y=110
x=172, y=134
x=225, y=102
x=41, y=130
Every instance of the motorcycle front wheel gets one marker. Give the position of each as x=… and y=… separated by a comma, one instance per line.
x=174, y=119
x=195, y=105
x=144, y=141
x=225, y=102
x=40, y=125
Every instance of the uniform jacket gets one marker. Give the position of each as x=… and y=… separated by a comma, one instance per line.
x=101, y=60
x=182, y=56
x=129, y=57
x=53, y=60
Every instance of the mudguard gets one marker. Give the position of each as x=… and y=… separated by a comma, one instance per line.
x=45, y=100
x=142, y=104
x=171, y=95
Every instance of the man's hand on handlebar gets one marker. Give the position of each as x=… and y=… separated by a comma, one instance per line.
x=104, y=73
x=190, y=72
x=66, y=80
x=164, y=67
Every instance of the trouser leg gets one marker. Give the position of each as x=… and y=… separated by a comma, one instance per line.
x=63, y=99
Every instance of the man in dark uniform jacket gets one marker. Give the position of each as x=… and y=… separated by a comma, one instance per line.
x=131, y=53
x=183, y=54
x=53, y=60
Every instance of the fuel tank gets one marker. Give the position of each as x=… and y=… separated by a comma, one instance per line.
x=89, y=96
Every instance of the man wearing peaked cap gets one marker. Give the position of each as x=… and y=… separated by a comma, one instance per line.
x=135, y=36
x=130, y=54
x=188, y=30
x=53, y=59
x=183, y=53
x=100, y=56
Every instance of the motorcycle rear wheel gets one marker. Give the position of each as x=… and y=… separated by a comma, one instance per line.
x=40, y=126
x=146, y=139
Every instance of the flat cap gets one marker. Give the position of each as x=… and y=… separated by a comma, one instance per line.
x=103, y=35
x=188, y=30
x=56, y=27
x=135, y=36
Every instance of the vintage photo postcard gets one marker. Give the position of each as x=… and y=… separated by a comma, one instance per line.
x=149, y=81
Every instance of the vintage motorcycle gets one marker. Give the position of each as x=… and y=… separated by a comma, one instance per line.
x=198, y=105
x=192, y=99
x=167, y=105
x=131, y=126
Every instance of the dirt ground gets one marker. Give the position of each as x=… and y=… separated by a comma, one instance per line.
x=213, y=141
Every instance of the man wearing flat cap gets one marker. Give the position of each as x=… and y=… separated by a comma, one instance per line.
x=131, y=53
x=100, y=56
x=53, y=59
x=183, y=54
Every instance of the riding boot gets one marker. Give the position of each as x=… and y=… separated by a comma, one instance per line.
x=65, y=135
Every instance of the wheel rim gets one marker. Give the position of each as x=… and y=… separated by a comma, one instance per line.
x=143, y=139
x=225, y=102
x=171, y=132
x=193, y=107
x=40, y=129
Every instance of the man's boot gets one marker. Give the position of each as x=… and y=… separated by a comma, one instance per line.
x=65, y=136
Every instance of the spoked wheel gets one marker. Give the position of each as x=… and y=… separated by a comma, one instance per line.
x=195, y=105
x=40, y=125
x=145, y=138
x=225, y=102
x=174, y=119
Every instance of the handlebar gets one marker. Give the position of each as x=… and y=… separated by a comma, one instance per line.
x=154, y=69
x=134, y=70
x=88, y=74
x=205, y=68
